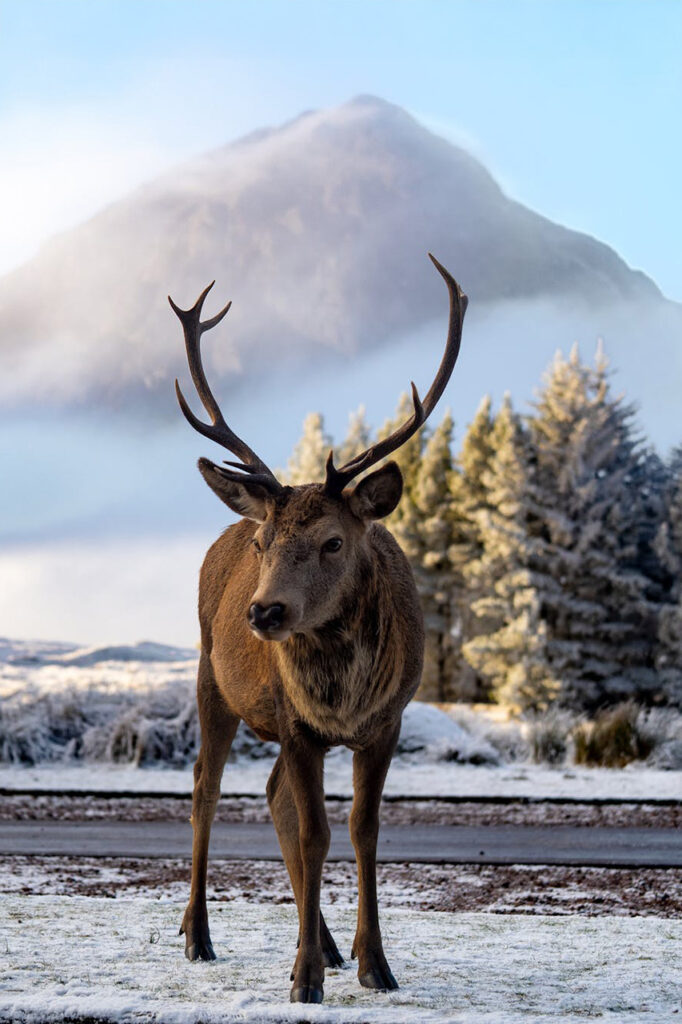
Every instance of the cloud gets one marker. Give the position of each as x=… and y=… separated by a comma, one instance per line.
x=94, y=592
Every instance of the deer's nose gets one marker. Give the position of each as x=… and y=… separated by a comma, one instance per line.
x=266, y=618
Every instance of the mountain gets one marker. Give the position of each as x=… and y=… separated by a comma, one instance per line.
x=317, y=230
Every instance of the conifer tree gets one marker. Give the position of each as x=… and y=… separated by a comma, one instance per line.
x=585, y=511
x=309, y=458
x=404, y=521
x=510, y=650
x=433, y=539
x=474, y=458
x=669, y=549
x=358, y=437
x=469, y=498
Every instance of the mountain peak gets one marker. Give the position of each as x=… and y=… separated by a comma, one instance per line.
x=319, y=227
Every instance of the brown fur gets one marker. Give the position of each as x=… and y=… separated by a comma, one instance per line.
x=351, y=664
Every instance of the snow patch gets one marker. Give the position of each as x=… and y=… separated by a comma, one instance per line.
x=429, y=732
x=122, y=960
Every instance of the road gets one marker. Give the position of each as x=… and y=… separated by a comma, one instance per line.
x=452, y=844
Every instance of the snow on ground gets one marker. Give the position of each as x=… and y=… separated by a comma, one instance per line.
x=244, y=778
x=122, y=961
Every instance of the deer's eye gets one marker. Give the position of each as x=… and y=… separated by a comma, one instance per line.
x=333, y=544
x=256, y=545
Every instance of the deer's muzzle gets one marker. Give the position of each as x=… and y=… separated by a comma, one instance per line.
x=268, y=620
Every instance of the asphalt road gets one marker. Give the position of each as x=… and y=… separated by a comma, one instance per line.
x=453, y=844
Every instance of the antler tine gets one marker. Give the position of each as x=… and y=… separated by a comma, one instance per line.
x=218, y=430
x=337, y=479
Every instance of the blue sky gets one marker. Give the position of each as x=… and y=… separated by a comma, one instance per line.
x=573, y=105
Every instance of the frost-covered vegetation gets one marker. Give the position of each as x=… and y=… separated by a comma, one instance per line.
x=136, y=706
x=547, y=551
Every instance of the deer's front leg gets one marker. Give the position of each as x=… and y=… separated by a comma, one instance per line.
x=304, y=761
x=369, y=774
x=218, y=726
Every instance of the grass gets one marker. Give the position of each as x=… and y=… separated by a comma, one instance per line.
x=613, y=739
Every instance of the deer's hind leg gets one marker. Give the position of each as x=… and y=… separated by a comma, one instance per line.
x=285, y=819
x=218, y=726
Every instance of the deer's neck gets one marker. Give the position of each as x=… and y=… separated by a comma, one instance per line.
x=344, y=673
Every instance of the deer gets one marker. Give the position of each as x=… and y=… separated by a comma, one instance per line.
x=311, y=634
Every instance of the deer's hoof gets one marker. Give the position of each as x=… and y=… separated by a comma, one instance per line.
x=306, y=994
x=200, y=951
x=378, y=978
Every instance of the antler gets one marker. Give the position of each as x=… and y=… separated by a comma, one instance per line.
x=337, y=479
x=250, y=465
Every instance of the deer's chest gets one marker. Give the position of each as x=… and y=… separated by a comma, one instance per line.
x=336, y=693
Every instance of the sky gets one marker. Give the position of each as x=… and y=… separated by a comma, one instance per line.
x=573, y=105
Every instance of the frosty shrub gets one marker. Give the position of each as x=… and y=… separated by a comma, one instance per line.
x=613, y=739
x=140, y=740
x=662, y=728
x=550, y=736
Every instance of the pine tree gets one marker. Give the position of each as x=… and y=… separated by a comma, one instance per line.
x=358, y=438
x=510, y=650
x=430, y=559
x=308, y=461
x=404, y=521
x=669, y=549
x=585, y=513
x=469, y=497
x=474, y=458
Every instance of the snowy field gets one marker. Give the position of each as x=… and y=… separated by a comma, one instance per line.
x=124, y=719
x=108, y=960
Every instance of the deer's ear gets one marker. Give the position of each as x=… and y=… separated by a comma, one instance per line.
x=243, y=497
x=377, y=494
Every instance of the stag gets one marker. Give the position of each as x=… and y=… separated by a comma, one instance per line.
x=312, y=634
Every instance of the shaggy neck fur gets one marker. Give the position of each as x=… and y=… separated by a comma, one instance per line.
x=345, y=672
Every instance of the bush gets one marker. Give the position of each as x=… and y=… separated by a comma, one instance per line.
x=549, y=736
x=613, y=739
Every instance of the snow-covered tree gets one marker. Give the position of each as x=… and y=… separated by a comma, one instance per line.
x=358, y=437
x=430, y=559
x=585, y=508
x=404, y=521
x=309, y=458
x=474, y=458
x=669, y=549
x=510, y=646
x=469, y=498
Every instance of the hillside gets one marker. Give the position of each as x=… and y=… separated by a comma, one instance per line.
x=317, y=230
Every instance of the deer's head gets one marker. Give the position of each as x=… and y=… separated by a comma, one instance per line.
x=310, y=540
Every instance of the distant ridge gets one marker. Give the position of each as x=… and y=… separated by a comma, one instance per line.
x=317, y=230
